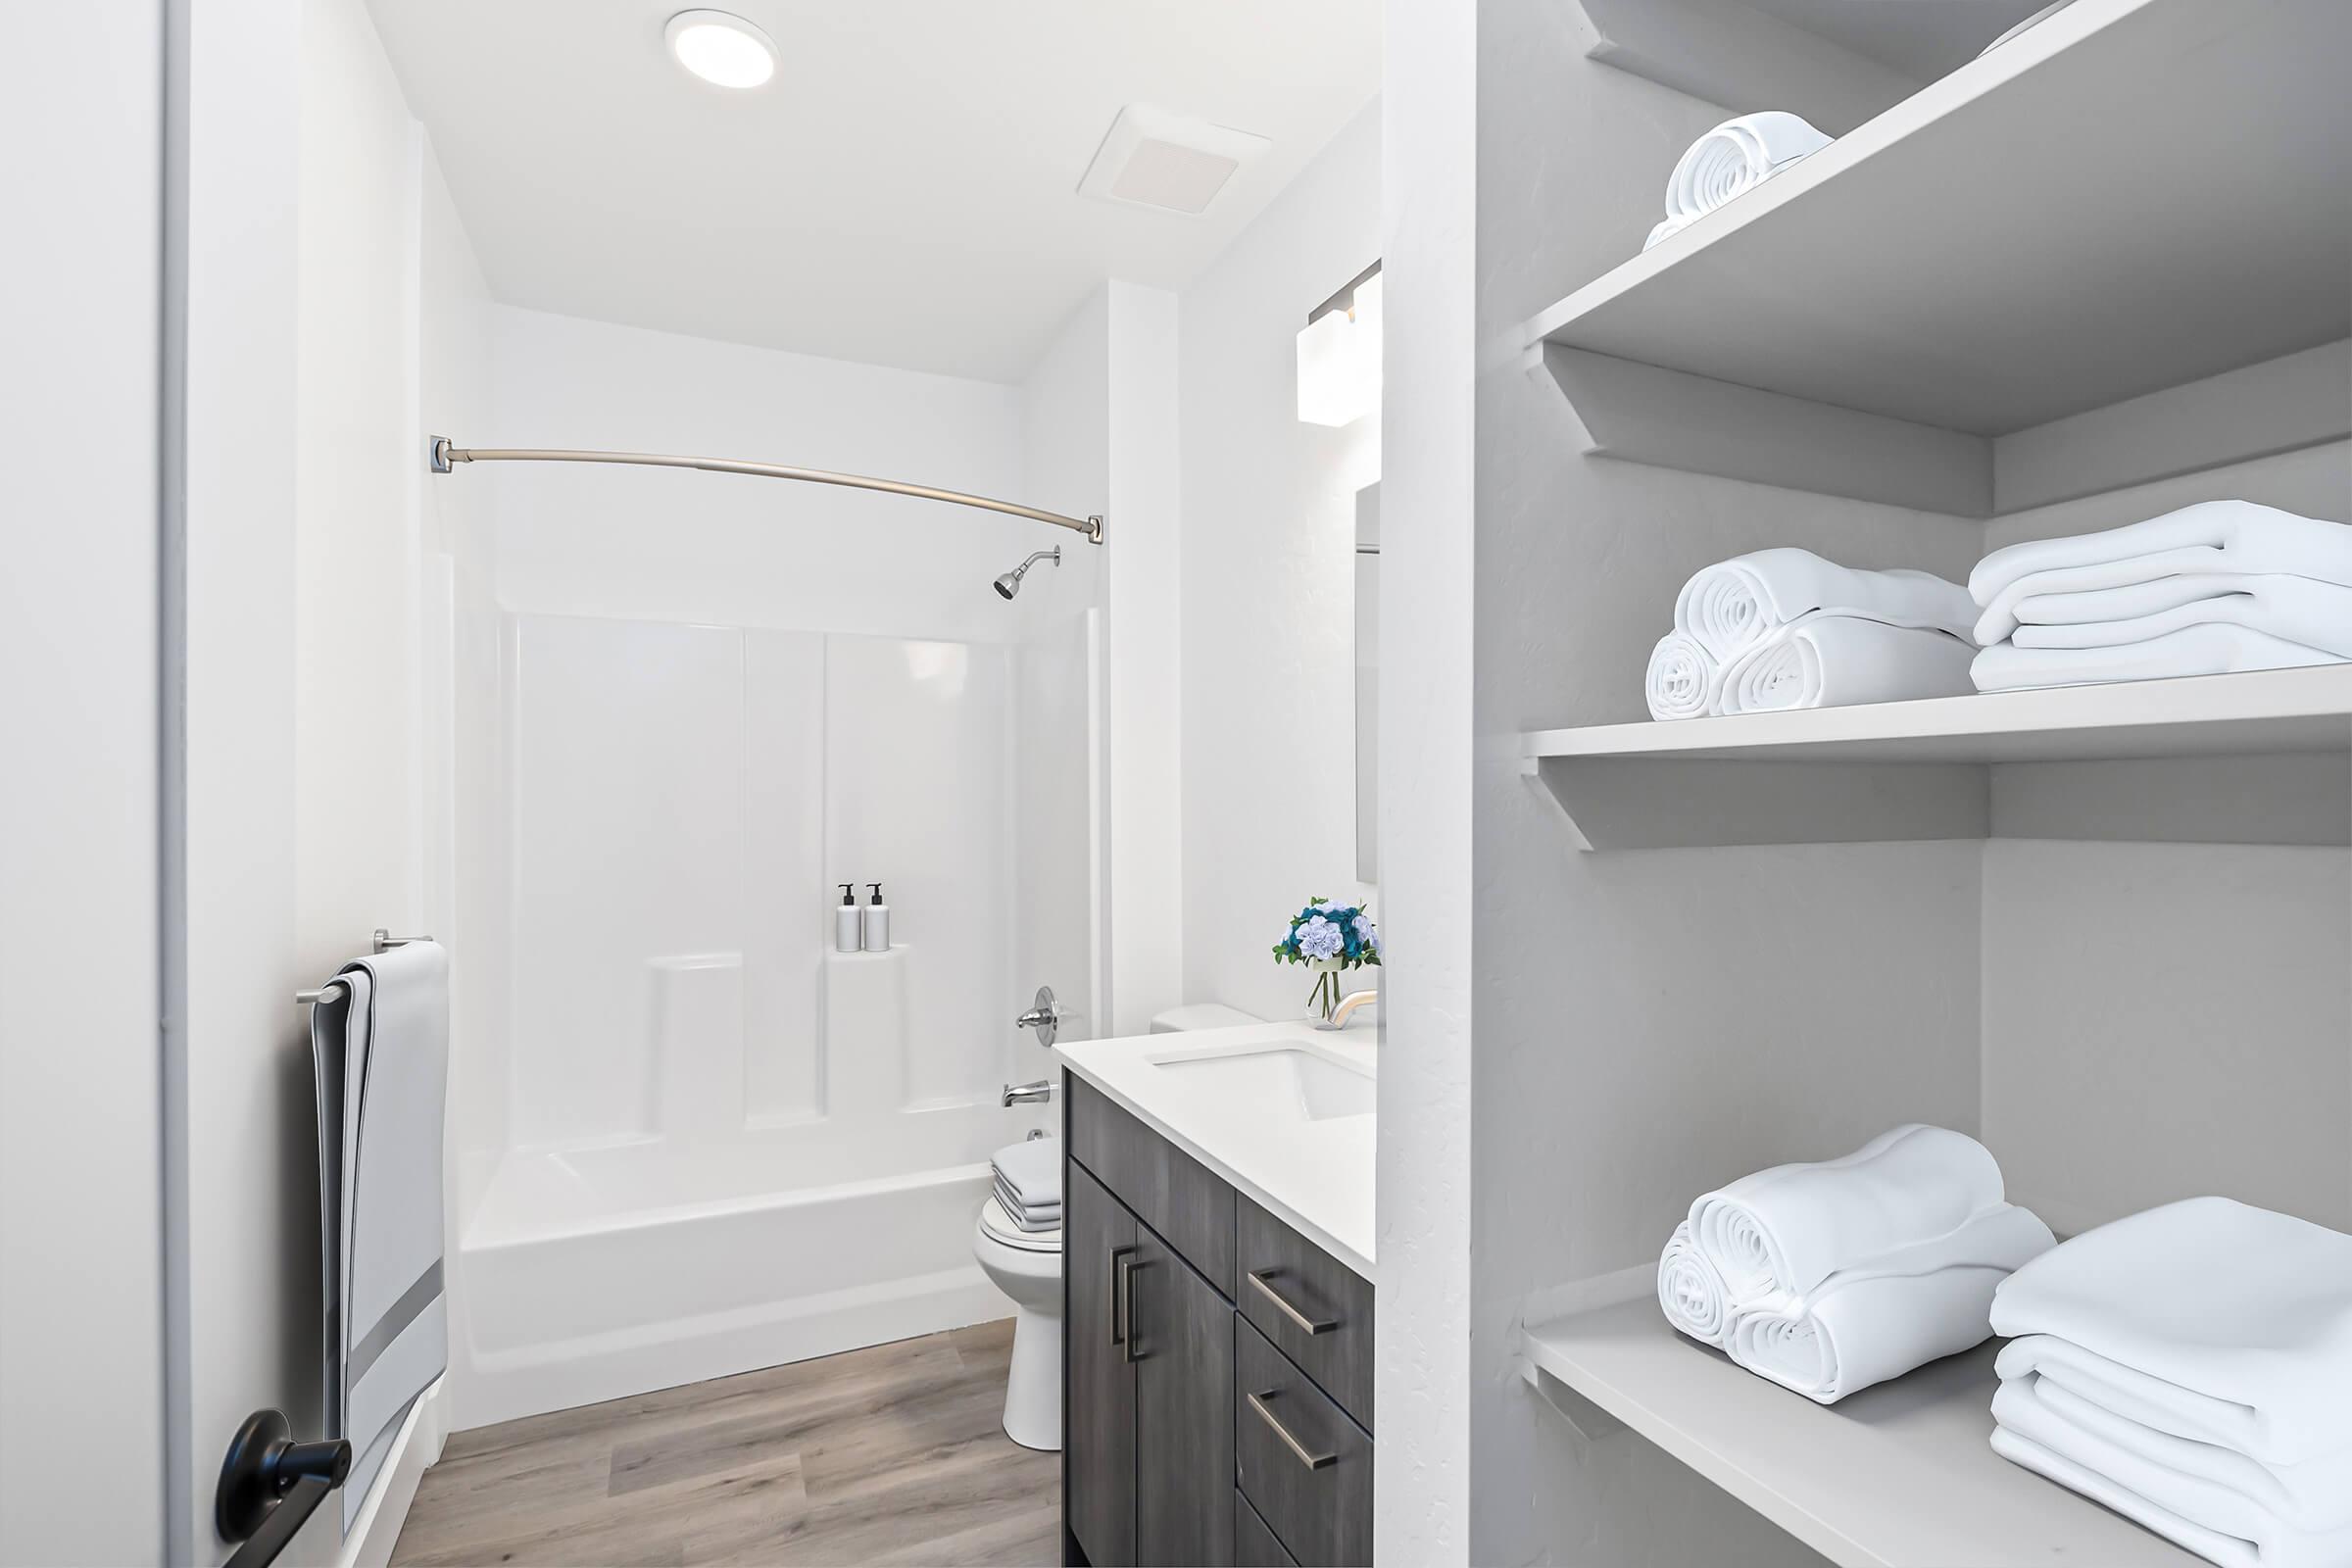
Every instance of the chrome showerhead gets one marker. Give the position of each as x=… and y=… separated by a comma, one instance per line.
x=1011, y=583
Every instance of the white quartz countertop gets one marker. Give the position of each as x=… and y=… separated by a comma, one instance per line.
x=1314, y=1175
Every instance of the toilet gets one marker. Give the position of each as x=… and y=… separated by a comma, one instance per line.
x=1026, y=1265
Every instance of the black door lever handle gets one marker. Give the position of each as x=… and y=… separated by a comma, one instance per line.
x=271, y=1485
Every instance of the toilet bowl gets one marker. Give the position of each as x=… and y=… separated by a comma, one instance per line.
x=1026, y=1265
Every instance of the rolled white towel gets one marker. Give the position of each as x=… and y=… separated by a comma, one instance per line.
x=2240, y=537
x=2297, y=610
x=2212, y=649
x=1735, y=156
x=1691, y=1291
x=1830, y=661
x=1880, y=1318
x=1793, y=1226
x=2218, y=1321
x=1736, y=604
x=1682, y=678
x=2219, y=1488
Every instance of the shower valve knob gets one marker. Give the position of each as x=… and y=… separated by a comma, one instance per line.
x=1044, y=1016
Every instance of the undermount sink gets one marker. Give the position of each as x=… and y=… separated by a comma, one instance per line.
x=1293, y=1083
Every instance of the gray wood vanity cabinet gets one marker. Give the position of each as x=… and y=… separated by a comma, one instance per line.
x=1216, y=1365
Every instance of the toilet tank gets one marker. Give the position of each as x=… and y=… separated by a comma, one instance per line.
x=1200, y=1015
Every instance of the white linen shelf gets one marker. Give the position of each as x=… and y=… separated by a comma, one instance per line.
x=1954, y=767
x=2128, y=198
x=1899, y=1476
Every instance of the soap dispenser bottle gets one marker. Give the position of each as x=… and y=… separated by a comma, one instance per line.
x=845, y=920
x=877, y=922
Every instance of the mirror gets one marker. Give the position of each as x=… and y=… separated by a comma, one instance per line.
x=1368, y=684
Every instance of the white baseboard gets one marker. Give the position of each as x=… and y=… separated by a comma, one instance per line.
x=369, y=1542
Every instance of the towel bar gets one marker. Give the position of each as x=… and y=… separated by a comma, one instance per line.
x=380, y=939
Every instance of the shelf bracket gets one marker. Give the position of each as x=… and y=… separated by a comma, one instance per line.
x=1589, y=1420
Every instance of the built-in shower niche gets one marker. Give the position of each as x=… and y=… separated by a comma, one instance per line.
x=684, y=801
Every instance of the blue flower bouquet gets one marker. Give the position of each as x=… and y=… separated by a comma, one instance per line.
x=1328, y=939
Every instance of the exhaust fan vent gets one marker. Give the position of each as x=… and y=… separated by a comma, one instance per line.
x=1158, y=158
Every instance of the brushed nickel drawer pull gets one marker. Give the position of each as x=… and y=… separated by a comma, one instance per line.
x=1310, y=1325
x=1127, y=1351
x=1118, y=1283
x=1306, y=1456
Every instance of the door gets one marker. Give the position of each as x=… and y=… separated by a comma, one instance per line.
x=1181, y=1336
x=1099, y=1251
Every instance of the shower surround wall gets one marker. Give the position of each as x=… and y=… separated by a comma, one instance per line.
x=721, y=1144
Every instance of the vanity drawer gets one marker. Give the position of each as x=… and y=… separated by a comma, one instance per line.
x=1166, y=1188
x=1254, y=1544
x=1315, y=1309
x=1303, y=1463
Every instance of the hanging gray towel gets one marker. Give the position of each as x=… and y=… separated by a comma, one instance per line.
x=380, y=1046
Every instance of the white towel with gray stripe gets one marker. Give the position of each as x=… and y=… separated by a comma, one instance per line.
x=379, y=1040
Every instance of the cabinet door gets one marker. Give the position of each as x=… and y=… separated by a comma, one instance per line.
x=1183, y=1347
x=1099, y=1253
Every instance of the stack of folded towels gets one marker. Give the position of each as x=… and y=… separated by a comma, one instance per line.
x=1785, y=628
x=2191, y=1367
x=2208, y=590
x=1028, y=1180
x=1828, y=1278
x=1735, y=156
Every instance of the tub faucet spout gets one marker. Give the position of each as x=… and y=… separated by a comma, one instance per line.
x=1028, y=1094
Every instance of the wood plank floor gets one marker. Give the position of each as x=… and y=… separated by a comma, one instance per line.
x=894, y=1454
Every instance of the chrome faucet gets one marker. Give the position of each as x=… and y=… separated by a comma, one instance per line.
x=1028, y=1094
x=1347, y=1005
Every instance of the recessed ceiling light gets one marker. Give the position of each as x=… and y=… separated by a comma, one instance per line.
x=722, y=48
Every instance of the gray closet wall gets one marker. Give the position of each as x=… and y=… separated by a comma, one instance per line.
x=2124, y=1022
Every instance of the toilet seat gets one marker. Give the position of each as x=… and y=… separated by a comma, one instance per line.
x=999, y=1227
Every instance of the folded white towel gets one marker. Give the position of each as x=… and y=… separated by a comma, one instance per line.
x=2223, y=1322
x=1736, y=604
x=2215, y=1546
x=1831, y=660
x=2219, y=1488
x=1735, y=156
x=2208, y=650
x=1879, y=1319
x=1032, y=1169
x=2213, y=536
x=1682, y=678
x=1691, y=1291
x=1013, y=1203
x=1793, y=1226
x=2297, y=610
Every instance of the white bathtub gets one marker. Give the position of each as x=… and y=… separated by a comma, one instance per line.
x=588, y=1275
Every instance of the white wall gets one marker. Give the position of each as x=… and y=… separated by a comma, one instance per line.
x=1146, y=656
x=685, y=546
x=1268, y=570
x=81, y=1092
x=1422, y=1367
x=243, y=1273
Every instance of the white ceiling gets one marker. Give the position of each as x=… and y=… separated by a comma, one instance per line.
x=903, y=192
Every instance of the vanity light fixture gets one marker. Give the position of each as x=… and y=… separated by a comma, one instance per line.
x=1339, y=354
x=722, y=48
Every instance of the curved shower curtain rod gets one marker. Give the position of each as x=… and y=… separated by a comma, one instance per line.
x=446, y=456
